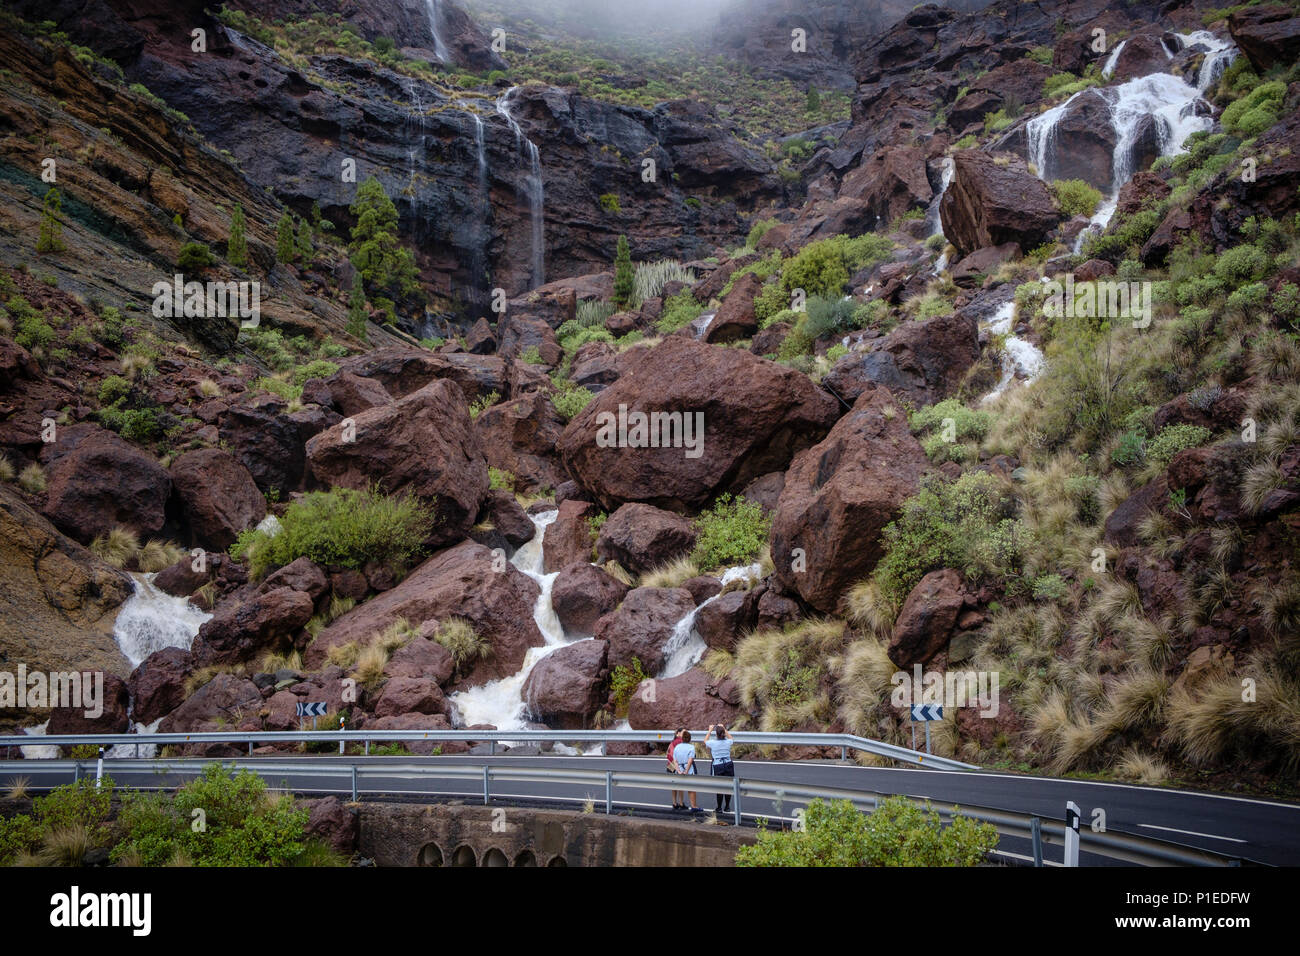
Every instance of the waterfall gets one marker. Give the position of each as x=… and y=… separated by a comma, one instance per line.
x=1019, y=358
x=933, y=222
x=500, y=702
x=1111, y=60
x=685, y=647
x=152, y=619
x=1218, y=55
x=533, y=187
x=478, y=261
x=433, y=9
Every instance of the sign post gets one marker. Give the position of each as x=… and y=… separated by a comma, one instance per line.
x=1071, y=833
x=925, y=713
x=312, y=710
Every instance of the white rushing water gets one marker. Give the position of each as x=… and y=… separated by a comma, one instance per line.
x=152, y=619
x=500, y=702
x=933, y=222
x=685, y=648
x=1219, y=54
x=1020, y=359
x=433, y=10
x=1111, y=60
x=533, y=187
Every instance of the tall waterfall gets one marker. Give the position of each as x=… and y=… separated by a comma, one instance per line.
x=533, y=187
x=151, y=619
x=478, y=256
x=433, y=9
x=933, y=222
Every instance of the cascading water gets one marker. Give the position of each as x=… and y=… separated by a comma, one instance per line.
x=1019, y=358
x=1111, y=60
x=478, y=261
x=534, y=188
x=685, y=647
x=500, y=702
x=152, y=619
x=433, y=9
x=1219, y=54
x=933, y=221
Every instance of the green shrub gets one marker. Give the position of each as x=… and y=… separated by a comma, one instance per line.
x=113, y=389
x=679, y=310
x=967, y=423
x=624, y=681
x=482, y=404
x=898, y=833
x=1050, y=587
x=18, y=834
x=317, y=369
x=133, y=424
x=31, y=330
x=819, y=269
x=609, y=202
x=343, y=528
x=836, y=352
x=1172, y=439
x=758, y=230
x=193, y=257
x=1256, y=111
x=730, y=533
x=827, y=316
x=1076, y=197
x=501, y=479
x=966, y=524
x=966, y=142
x=570, y=402
x=997, y=121
x=1241, y=264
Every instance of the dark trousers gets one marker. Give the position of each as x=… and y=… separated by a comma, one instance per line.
x=725, y=769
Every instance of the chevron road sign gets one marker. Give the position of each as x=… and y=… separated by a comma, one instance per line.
x=927, y=712
x=311, y=710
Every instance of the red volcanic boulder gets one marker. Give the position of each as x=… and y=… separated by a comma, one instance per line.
x=774, y=610
x=567, y=686
x=892, y=181
x=721, y=622
x=692, y=700
x=97, y=481
x=466, y=581
x=642, y=625
x=225, y=700
x=265, y=442
x=1144, y=189
x=239, y=630
x=218, y=496
x=100, y=710
x=181, y=580
x=642, y=537
x=756, y=415
x=480, y=339
x=521, y=436
x=1267, y=34
x=421, y=657
x=920, y=362
x=971, y=270
x=927, y=619
x=509, y=518
x=282, y=707
x=403, y=371
x=332, y=822
x=346, y=392
x=1122, y=524
x=596, y=366
x=299, y=575
x=838, y=497
x=567, y=539
x=1142, y=55
x=735, y=317
x=158, y=685
x=519, y=334
x=423, y=748
x=582, y=594
x=423, y=444
x=557, y=302
x=993, y=200
x=410, y=695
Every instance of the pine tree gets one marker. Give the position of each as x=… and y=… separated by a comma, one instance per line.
x=384, y=264
x=285, y=246
x=814, y=104
x=624, y=276
x=51, y=234
x=237, y=247
x=357, y=309
x=305, y=247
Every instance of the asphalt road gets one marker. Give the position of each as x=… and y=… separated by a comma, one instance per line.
x=1253, y=829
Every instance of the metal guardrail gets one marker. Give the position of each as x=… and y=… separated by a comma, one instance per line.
x=845, y=742
x=353, y=778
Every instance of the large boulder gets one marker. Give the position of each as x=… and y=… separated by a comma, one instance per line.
x=112, y=703
x=265, y=442
x=466, y=581
x=59, y=600
x=226, y=700
x=332, y=822
x=423, y=444
x=97, y=481
x=927, y=619
x=995, y=199
x=566, y=687
x=519, y=334
x=642, y=625
x=520, y=436
x=509, y=518
x=920, y=362
x=567, y=539
x=403, y=370
x=891, y=182
x=735, y=317
x=1267, y=34
x=239, y=630
x=722, y=622
x=218, y=496
x=410, y=695
x=158, y=685
x=582, y=594
x=346, y=392
x=756, y=416
x=642, y=537
x=421, y=657
x=689, y=700
x=838, y=497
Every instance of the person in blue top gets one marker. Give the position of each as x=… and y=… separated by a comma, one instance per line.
x=719, y=743
x=684, y=757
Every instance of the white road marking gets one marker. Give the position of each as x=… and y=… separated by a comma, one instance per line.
x=1208, y=836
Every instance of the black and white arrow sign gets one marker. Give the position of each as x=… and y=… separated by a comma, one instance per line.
x=927, y=712
x=311, y=710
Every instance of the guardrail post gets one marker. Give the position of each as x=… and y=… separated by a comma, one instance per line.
x=486, y=792
x=367, y=746
x=76, y=771
x=844, y=753
x=735, y=797
x=492, y=747
x=609, y=792
x=1036, y=833
x=354, y=783
x=250, y=748
x=1071, y=833
x=604, y=748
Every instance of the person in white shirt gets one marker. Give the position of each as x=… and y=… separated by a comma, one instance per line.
x=720, y=765
x=684, y=757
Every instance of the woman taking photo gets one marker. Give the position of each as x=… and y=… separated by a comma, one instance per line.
x=719, y=743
